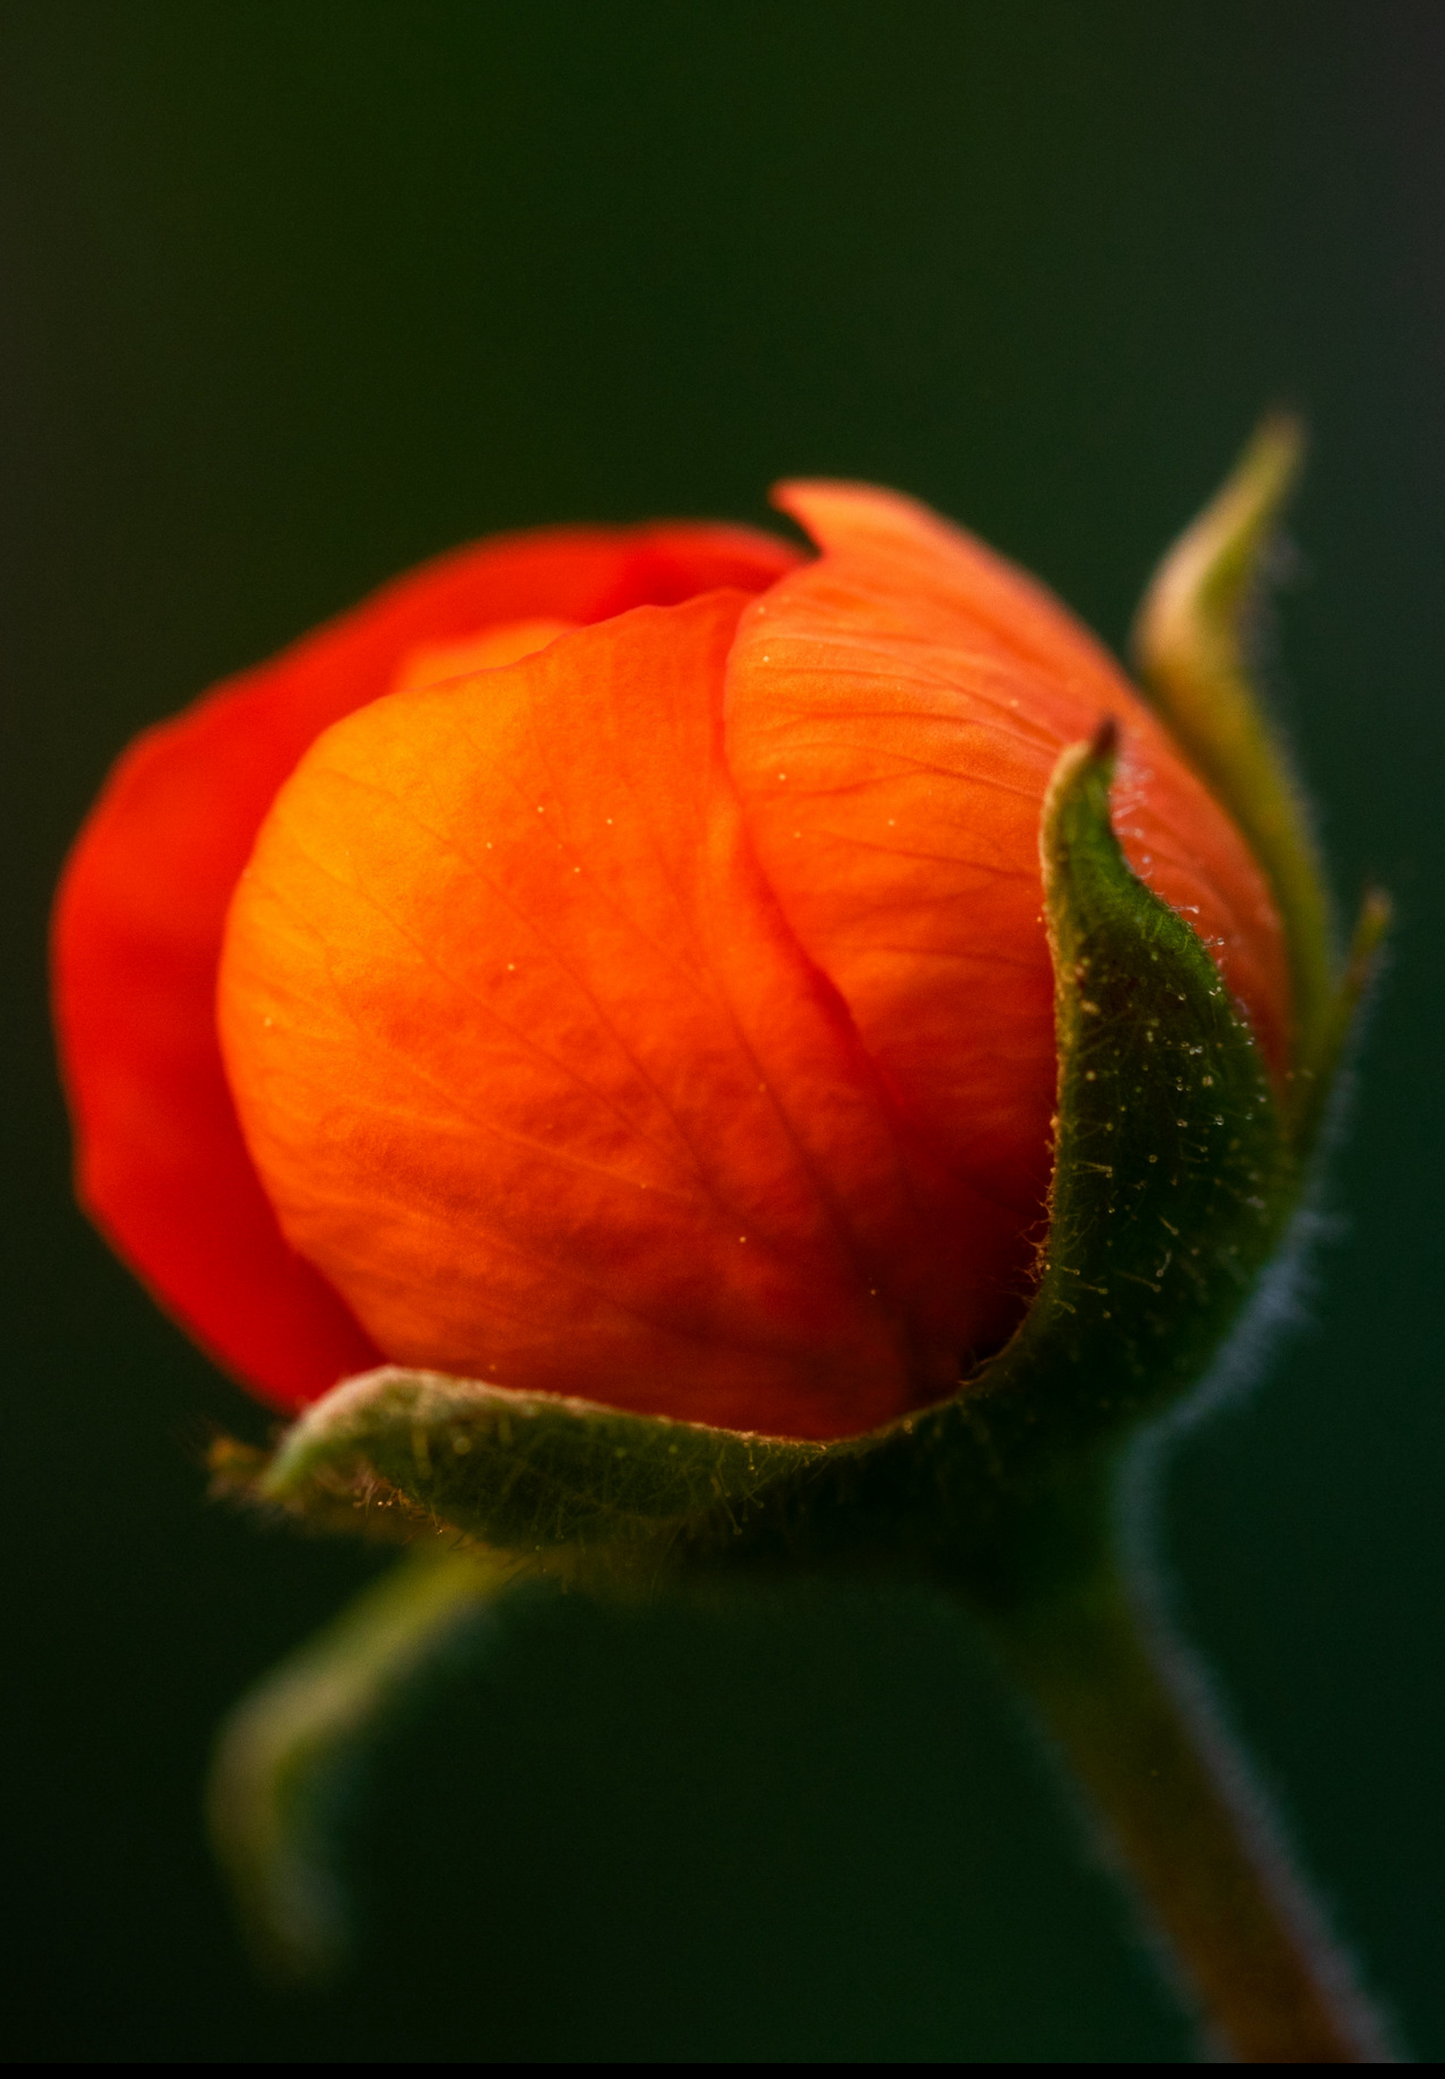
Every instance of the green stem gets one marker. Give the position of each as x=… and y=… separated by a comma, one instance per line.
x=282, y=1749
x=1181, y=1817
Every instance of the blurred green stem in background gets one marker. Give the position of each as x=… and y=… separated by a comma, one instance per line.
x=1174, y=1804
x=285, y=1749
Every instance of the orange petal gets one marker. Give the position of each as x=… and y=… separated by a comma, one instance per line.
x=893, y=714
x=160, y=1161
x=535, y=1073
x=433, y=663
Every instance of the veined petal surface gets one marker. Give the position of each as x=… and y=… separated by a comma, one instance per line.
x=161, y=1165
x=538, y=1077
x=893, y=714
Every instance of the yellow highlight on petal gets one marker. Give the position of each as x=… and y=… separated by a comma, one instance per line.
x=433, y=663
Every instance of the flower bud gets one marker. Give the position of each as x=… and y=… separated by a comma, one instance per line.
x=642, y=995
x=790, y=1062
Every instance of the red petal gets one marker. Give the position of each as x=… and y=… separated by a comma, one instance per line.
x=161, y=1165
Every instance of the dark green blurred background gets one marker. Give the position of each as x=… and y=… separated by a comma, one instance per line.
x=295, y=294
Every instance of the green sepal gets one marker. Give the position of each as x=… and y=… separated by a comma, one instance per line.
x=1173, y=1179
x=1193, y=643
x=533, y=1474
x=1172, y=1184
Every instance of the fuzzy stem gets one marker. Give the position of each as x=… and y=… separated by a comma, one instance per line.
x=1182, y=1819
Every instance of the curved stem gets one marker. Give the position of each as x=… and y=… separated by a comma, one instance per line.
x=1183, y=1820
x=283, y=1749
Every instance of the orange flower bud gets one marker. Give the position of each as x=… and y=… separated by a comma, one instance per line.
x=638, y=993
